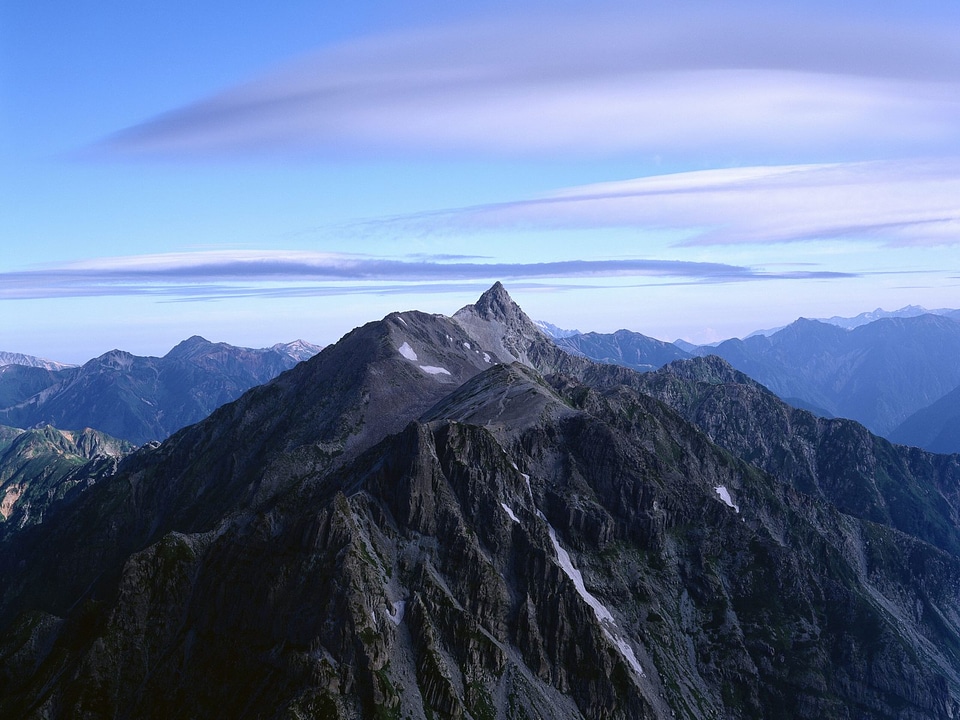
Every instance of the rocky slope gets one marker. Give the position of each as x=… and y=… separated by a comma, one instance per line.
x=140, y=399
x=40, y=467
x=449, y=517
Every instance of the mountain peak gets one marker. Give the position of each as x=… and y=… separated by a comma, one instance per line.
x=188, y=346
x=498, y=323
x=496, y=304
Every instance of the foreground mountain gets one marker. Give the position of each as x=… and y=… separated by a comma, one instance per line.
x=140, y=399
x=450, y=517
x=878, y=374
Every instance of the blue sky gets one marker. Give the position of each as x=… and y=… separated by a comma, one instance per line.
x=256, y=174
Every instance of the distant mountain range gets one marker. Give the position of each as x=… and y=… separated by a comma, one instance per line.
x=140, y=399
x=879, y=372
x=10, y=358
x=623, y=347
x=452, y=517
x=865, y=318
x=935, y=427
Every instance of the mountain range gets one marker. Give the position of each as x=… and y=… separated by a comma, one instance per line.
x=899, y=376
x=453, y=517
x=140, y=399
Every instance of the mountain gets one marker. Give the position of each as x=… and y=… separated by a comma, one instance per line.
x=878, y=374
x=623, y=347
x=451, y=517
x=553, y=331
x=8, y=358
x=935, y=428
x=140, y=399
x=39, y=467
x=864, y=318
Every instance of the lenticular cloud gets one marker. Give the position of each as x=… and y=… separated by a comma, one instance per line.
x=891, y=202
x=604, y=84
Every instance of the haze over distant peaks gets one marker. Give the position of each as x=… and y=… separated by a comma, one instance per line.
x=865, y=318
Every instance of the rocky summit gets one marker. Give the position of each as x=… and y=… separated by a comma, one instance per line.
x=450, y=517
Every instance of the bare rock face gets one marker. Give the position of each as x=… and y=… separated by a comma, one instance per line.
x=413, y=525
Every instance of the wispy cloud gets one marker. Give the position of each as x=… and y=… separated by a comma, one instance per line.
x=890, y=202
x=221, y=274
x=749, y=84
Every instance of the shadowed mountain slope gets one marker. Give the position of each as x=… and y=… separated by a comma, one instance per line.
x=935, y=428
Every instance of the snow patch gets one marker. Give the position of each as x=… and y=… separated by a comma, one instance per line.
x=467, y=346
x=624, y=647
x=563, y=557
x=398, y=609
x=407, y=352
x=510, y=512
x=433, y=370
x=724, y=494
x=486, y=357
x=402, y=320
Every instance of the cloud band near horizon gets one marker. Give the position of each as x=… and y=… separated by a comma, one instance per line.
x=207, y=275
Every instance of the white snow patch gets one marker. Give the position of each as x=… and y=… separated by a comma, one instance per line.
x=724, y=494
x=407, y=352
x=486, y=357
x=401, y=320
x=398, y=609
x=609, y=625
x=529, y=489
x=433, y=370
x=467, y=346
x=624, y=647
x=563, y=557
x=510, y=512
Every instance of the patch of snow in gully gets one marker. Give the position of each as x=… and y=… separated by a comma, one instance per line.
x=407, y=352
x=724, y=494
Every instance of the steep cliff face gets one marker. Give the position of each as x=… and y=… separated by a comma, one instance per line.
x=368, y=536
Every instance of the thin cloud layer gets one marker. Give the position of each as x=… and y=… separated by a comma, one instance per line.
x=679, y=85
x=208, y=275
x=895, y=203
